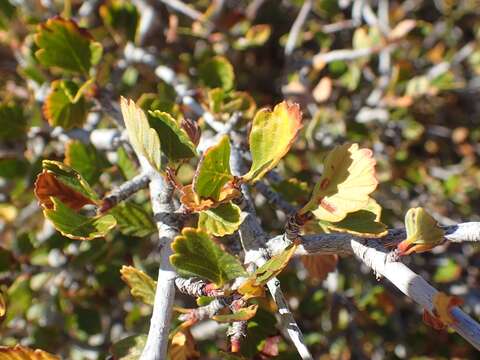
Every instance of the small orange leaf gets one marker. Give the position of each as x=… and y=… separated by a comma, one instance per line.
x=25, y=353
x=191, y=200
x=319, y=266
x=443, y=305
x=182, y=346
x=47, y=186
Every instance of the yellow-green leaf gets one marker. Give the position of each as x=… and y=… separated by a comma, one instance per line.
x=242, y=314
x=217, y=72
x=423, y=232
x=364, y=222
x=196, y=254
x=174, y=141
x=213, y=171
x=62, y=43
x=133, y=220
x=272, y=135
x=77, y=226
x=274, y=266
x=223, y=220
x=256, y=35
x=19, y=352
x=141, y=285
x=346, y=183
x=143, y=138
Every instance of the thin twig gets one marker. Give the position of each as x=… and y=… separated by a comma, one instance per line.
x=124, y=191
x=297, y=27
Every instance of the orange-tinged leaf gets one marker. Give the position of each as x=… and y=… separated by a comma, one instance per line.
x=271, y=137
x=3, y=305
x=141, y=285
x=319, y=266
x=251, y=290
x=347, y=181
x=191, y=200
x=242, y=314
x=443, y=305
x=48, y=186
x=182, y=346
x=19, y=352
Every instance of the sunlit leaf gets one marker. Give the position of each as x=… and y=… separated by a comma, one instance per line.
x=129, y=348
x=193, y=202
x=213, y=171
x=141, y=285
x=77, y=226
x=217, y=72
x=223, y=220
x=19, y=352
x=272, y=135
x=196, y=254
x=182, y=346
x=85, y=159
x=63, y=44
x=65, y=105
x=144, y=139
x=174, y=141
x=133, y=220
x=242, y=314
x=347, y=181
x=423, y=232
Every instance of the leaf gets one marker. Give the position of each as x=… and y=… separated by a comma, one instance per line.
x=133, y=220
x=85, y=159
x=272, y=135
x=13, y=123
x=3, y=305
x=423, y=233
x=242, y=314
x=121, y=17
x=65, y=106
x=76, y=226
x=213, y=171
x=63, y=44
x=174, y=140
x=19, y=352
x=143, y=138
x=222, y=220
x=192, y=202
x=346, y=183
x=364, y=222
x=217, y=72
x=319, y=265
x=182, y=346
x=256, y=35
x=442, y=311
x=129, y=348
x=447, y=271
x=141, y=285
x=127, y=166
x=195, y=254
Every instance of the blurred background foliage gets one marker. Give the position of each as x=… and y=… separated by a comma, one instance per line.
x=412, y=99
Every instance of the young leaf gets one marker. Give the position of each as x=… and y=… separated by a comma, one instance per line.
x=65, y=106
x=76, y=226
x=242, y=314
x=346, y=183
x=141, y=285
x=85, y=159
x=19, y=352
x=143, y=138
x=133, y=220
x=174, y=141
x=364, y=222
x=129, y=348
x=195, y=254
x=272, y=135
x=63, y=44
x=217, y=72
x=423, y=233
x=222, y=220
x=213, y=171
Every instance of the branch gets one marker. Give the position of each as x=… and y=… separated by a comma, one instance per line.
x=124, y=191
x=184, y=9
x=297, y=27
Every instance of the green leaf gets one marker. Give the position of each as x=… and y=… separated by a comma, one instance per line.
x=448, y=271
x=256, y=35
x=133, y=220
x=195, y=254
x=240, y=315
x=364, y=222
x=63, y=44
x=346, y=183
x=274, y=266
x=271, y=137
x=217, y=72
x=222, y=220
x=65, y=105
x=129, y=348
x=121, y=17
x=213, y=171
x=13, y=123
x=423, y=233
x=85, y=159
x=143, y=138
x=127, y=166
x=174, y=141
x=141, y=285
x=76, y=226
